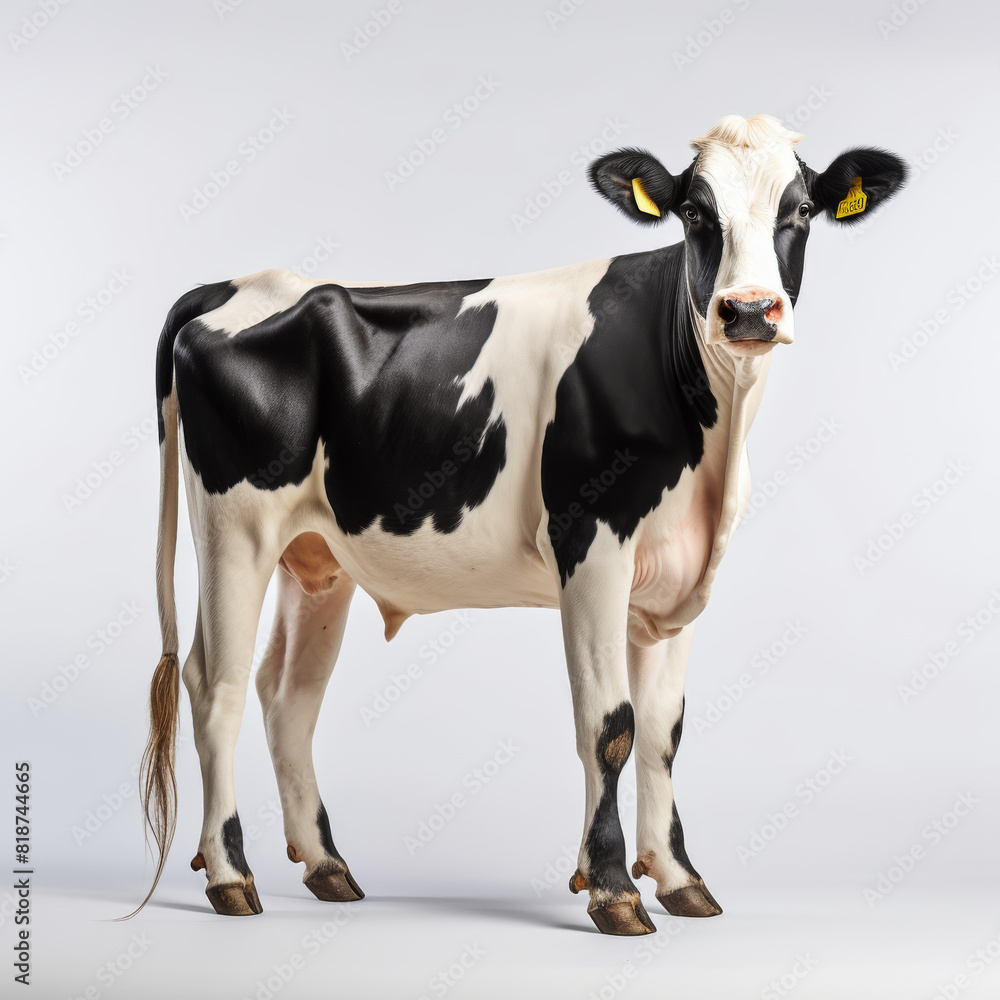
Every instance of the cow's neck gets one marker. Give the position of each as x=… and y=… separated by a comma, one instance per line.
x=738, y=386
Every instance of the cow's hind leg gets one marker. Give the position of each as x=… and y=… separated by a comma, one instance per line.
x=656, y=679
x=314, y=596
x=233, y=571
x=594, y=607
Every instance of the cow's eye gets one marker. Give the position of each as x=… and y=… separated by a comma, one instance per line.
x=690, y=213
x=805, y=210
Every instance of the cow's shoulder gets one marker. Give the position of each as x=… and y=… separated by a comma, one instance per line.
x=631, y=409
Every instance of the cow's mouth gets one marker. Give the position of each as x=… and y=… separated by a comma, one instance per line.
x=749, y=346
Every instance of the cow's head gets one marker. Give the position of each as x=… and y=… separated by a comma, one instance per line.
x=746, y=202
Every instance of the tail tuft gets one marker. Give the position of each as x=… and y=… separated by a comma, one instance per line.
x=156, y=773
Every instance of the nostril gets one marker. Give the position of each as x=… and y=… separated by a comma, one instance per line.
x=728, y=312
x=774, y=311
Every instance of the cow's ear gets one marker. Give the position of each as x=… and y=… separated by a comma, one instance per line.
x=856, y=183
x=636, y=183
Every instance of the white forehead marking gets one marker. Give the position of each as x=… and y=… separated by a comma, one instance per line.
x=748, y=162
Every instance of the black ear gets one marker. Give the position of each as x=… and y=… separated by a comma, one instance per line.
x=846, y=199
x=613, y=175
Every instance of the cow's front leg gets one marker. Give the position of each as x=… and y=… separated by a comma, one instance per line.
x=594, y=606
x=656, y=680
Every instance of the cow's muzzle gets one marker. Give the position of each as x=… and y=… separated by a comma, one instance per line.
x=749, y=318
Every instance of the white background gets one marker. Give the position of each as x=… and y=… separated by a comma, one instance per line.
x=68, y=567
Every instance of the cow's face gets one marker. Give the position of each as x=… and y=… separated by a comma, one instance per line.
x=746, y=203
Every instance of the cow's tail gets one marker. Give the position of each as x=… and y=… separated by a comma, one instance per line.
x=156, y=775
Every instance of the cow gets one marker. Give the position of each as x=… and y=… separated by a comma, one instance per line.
x=570, y=439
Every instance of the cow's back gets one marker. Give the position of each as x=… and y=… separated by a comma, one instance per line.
x=430, y=402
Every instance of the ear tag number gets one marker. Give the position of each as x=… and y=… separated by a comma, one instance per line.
x=642, y=200
x=854, y=202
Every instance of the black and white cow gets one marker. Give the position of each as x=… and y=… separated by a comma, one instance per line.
x=570, y=439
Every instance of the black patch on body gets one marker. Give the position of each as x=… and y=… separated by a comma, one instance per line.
x=189, y=306
x=702, y=242
x=605, y=842
x=675, y=741
x=677, y=848
x=637, y=388
x=791, y=230
x=232, y=841
x=676, y=833
x=325, y=834
x=373, y=372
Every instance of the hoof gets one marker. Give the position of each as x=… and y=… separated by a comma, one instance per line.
x=691, y=901
x=334, y=886
x=622, y=917
x=235, y=899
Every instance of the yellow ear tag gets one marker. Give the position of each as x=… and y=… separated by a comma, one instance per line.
x=854, y=202
x=642, y=200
